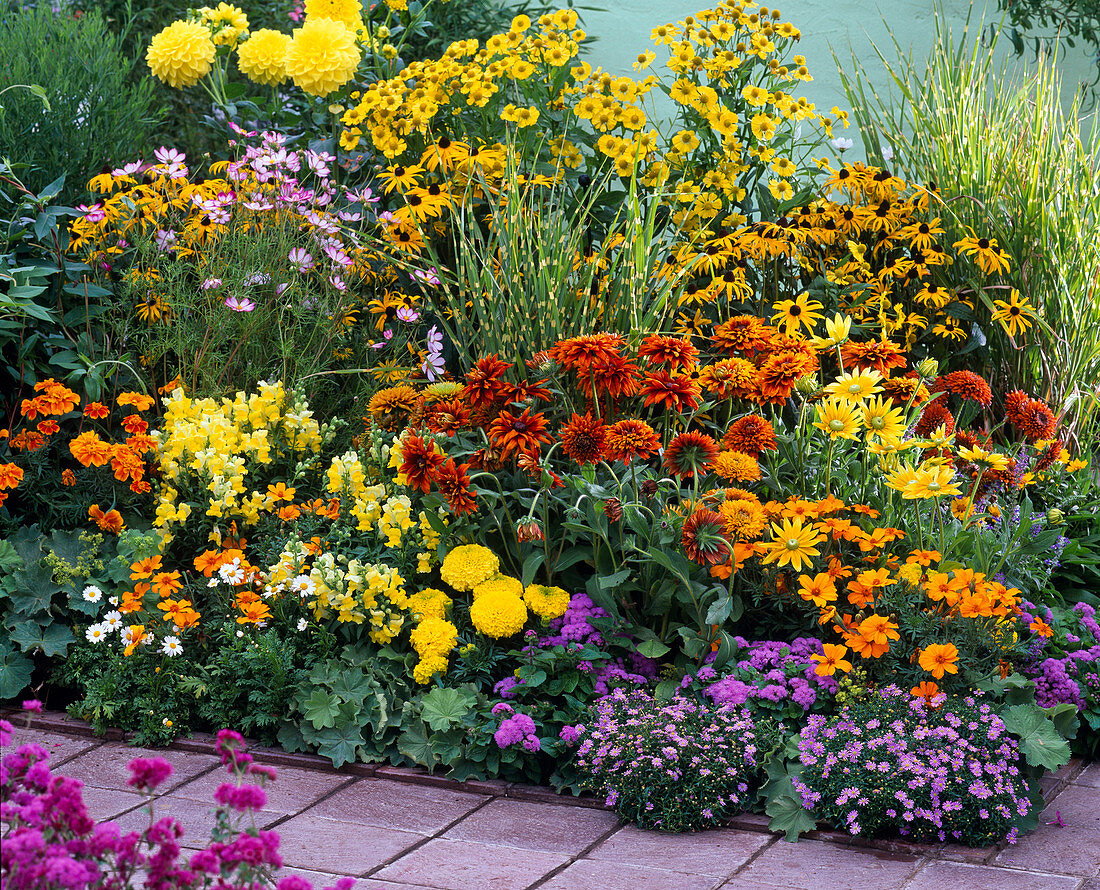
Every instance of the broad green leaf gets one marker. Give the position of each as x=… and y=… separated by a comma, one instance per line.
x=414, y=744
x=614, y=580
x=52, y=640
x=340, y=744
x=442, y=708
x=32, y=590
x=783, y=803
x=653, y=649
x=15, y=673
x=351, y=686
x=321, y=709
x=1040, y=742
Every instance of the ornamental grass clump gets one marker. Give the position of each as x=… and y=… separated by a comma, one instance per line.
x=942, y=769
x=675, y=765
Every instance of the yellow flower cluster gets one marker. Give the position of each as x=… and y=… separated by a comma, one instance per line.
x=433, y=639
x=467, y=566
x=182, y=54
x=546, y=602
x=359, y=593
x=209, y=445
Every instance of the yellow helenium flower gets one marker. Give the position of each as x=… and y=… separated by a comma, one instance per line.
x=262, y=58
x=322, y=56
x=346, y=11
x=182, y=54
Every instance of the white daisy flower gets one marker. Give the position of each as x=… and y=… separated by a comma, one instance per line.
x=92, y=594
x=97, y=633
x=302, y=624
x=113, y=600
x=171, y=646
x=303, y=585
x=112, y=621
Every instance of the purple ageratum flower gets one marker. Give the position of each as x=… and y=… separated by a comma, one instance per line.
x=240, y=304
x=146, y=773
x=514, y=730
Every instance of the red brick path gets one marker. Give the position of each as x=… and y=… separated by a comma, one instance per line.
x=392, y=831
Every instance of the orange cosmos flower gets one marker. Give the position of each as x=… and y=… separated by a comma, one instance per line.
x=145, y=568
x=926, y=690
x=939, y=658
x=832, y=660
x=819, y=590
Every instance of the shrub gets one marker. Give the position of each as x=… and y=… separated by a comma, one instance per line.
x=944, y=769
x=96, y=114
x=676, y=765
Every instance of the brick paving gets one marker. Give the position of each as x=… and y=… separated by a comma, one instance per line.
x=399, y=829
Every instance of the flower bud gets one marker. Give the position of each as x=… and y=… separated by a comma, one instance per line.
x=928, y=368
x=1055, y=516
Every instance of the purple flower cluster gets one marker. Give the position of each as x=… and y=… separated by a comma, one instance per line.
x=676, y=765
x=575, y=626
x=767, y=673
x=893, y=763
x=515, y=729
x=1070, y=671
x=50, y=841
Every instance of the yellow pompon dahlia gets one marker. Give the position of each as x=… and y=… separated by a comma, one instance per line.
x=467, y=566
x=322, y=56
x=546, y=602
x=429, y=603
x=499, y=585
x=262, y=58
x=498, y=615
x=346, y=11
x=182, y=54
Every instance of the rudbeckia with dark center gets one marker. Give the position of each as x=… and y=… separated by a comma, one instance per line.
x=580, y=354
x=690, y=454
x=630, y=439
x=453, y=483
x=704, y=538
x=675, y=392
x=583, y=439
x=419, y=460
x=513, y=433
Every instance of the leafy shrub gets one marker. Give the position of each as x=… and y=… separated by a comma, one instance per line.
x=941, y=770
x=676, y=765
x=96, y=113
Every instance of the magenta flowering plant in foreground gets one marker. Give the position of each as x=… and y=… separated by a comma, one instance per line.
x=51, y=843
x=675, y=765
x=891, y=763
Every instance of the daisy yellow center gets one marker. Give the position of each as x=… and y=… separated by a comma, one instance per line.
x=878, y=423
x=934, y=486
x=854, y=388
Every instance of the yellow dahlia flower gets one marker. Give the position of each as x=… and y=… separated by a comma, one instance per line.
x=465, y=567
x=322, y=56
x=546, y=602
x=346, y=11
x=262, y=58
x=227, y=22
x=181, y=54
x=498, y=615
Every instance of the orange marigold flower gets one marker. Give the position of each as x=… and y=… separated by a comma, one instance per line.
x=27, y=440
x=831, y=660
x=164, y=584
x=134, y=424
x=140, y=486
x=111, y=521
x=583, y=439
x=630, y=439
x=96, y=410
x=690, y=454
x=137, y=399
x=939, y=658
x=208, y=562
x=126, y=464
x=55, y=398
x=145, y=568
x=10, y=475
x=30, y=408
x=966, y=385
x=141, y=444
x=47, y=427
x=281, y=492
x=675, y=392
x=512, y=433
x=90, y=450
x=751, y=434
x=1040, y=627
x=68, y=477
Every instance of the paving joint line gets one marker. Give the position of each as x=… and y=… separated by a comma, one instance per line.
x=744, y=865
x=577, y=857
x=350, y=780
x=427, y=838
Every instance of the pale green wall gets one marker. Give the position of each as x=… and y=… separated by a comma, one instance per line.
x=841, y=25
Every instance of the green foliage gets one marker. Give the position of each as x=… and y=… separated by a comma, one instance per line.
x=49, y=311
x=1070, y=20
x=97, y=113
x=1038, y=732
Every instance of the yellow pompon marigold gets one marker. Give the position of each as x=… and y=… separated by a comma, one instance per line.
x=347, y=11
x=182, y=54
x=322, y=56
x=498, y=615
x=427, y=668
x=433, y=637
x=546, y=602
x=262, y=58
x=469, y=565
x=501, y=584
x=429, y=603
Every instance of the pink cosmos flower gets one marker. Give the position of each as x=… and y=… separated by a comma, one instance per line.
x=239, y=304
